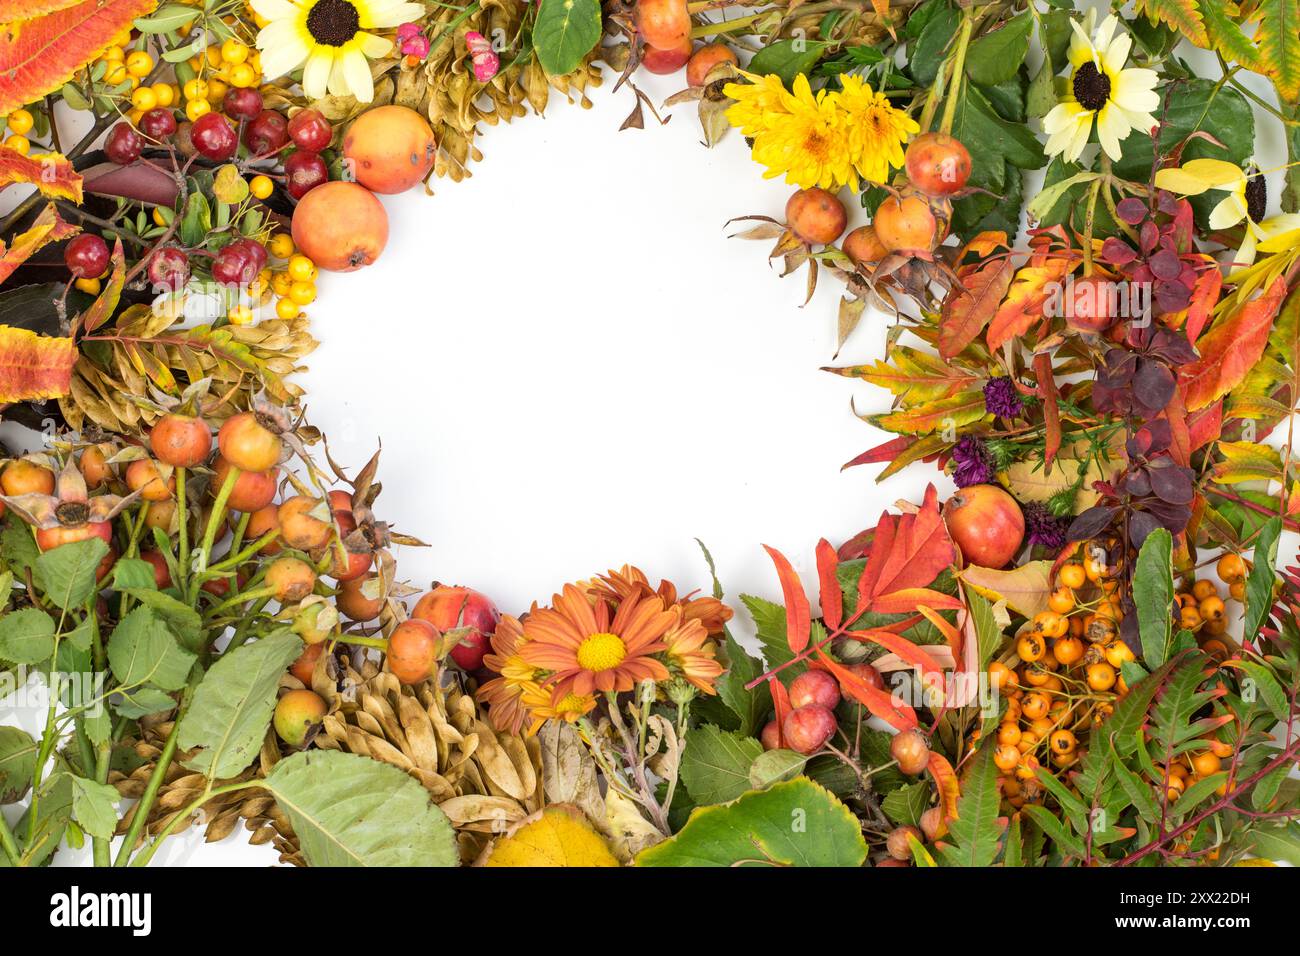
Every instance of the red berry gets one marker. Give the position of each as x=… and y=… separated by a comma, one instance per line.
x=242, y=103
x=86, y=256
x=169, y=269
x=911, y=751
x=867, y=674
x=124, y=144
x=158, y=124
x=771, y=736
x=807, y=728
x=266, y=134
x=309, y=130
x=303, y=172
x=814, y=687
x=214, y=137
x=239, y=263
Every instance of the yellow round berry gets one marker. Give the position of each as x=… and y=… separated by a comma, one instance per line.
x=242, y=75
x=21, y=122
x=240, y=315
x=139, y=63
x=232, y=51
x=261, y=186
x=144, y=99
x=287, y=309
x=196, y=89
x=214, y=56
x=196, y=108
x=165, y=93
x=88, y=286
x=281, y=245
x=216, y=90
x=304, y=293
x=114, y=53
x=19, y=144
x=116, y=74
x=302, y=269
x=281, y=283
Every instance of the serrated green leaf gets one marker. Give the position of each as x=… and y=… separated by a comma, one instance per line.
x=750, y=706
x=905, y=805
x=68, y=571
x=17, y=763
x=715, y=764
x=974, y=838
x=26, y=636
x=1153, y=593
x=565, y=32
x=142, y=651
x=996, y=57
x=94, y=806
x=773, y=766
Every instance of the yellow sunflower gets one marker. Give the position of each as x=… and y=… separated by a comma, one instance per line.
x=328, y=39
x=877, y=131
x=504, y=695
x=587, y=651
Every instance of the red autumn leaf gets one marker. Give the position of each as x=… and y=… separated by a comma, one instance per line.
x=39, y=55
x=881, y=704
x=51, y=173
x=1231, y=348
x=1051, y=411
x=48, y=227
x=34, y=366
x=1205, y=294
x=969, y=307
x=26, y=9
x=780, y=706
x=1024, y=303
x=832, y=598
x=1205, y=425
x=908, y=552
x=899, y=645
x=1180, y=445
x=887, y=451
x=798, y=614
x=906, y=600
x=945, y=781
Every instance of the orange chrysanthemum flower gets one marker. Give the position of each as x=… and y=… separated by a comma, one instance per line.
x=504, y=695
x=691, y=653
x=630, y=581
x=586, y=651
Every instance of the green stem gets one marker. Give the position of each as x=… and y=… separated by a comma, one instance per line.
x=7, y=842
x=959, y=66
x=144, y=856
x=218, y=515
x=725, y=26
x=146, y=801
x=183, y=546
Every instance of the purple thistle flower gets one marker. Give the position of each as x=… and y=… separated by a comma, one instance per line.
x=973, y=462
x=1001, y=398
x=1043, y=527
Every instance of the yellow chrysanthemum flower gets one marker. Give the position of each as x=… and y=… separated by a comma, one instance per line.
x=826, y=139
x=328, y=39
x=877, y=131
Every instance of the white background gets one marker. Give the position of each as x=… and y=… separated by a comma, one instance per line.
x=570, y=366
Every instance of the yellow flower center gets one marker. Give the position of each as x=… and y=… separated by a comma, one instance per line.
x=570, y=704
x=601, y=652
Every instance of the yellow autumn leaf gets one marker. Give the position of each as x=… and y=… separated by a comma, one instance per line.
x=1025, y=589
x=1247, y=461
x=1197, y=175
x=1030, y=481
x=557, y=836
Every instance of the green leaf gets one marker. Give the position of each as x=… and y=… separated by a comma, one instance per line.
x=769, y=627
x=995, y=57
x=166, y=18
x=184, y=621
x=233, y=704
x=350, y=810
x=141, y=701
x=905, y=805
x=1278, y=39
x=1153, y=593
x=751, y=706
x=564, y=33
x=988, y=632
x=976, y=833
x=1263, y=686
x=1194, y=105
x=143, y=651
x=26, y=636
x=133, y=574
x=1047, y=821
x=17, y=763
x=1181, y=698
x=69, y=571
x=786, y=59
x=94, y=806
x=1138, y=790
x=196, y=218
x=1281, y=844
x=1014, y=855
x=773, y=766
x=933, y=45
x=715, y=764
x=1130, y=712
x=1259, y=583
x=796, y=823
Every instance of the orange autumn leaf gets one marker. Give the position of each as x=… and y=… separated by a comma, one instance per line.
x=11, y=10
x=946, y=782
x=39, y=55
x=969, y=307
x=908, y=553
x=780, y=706
x=911, y=653
x=1204, y=296
x=51, y=173
x=1029, y=292
x=34, y=366
x=48, y=227
x=832, y=598
x=798, y=614
x=1230, y=349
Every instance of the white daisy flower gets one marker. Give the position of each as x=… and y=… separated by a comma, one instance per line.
x=328, y=39
x=1121, y=100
